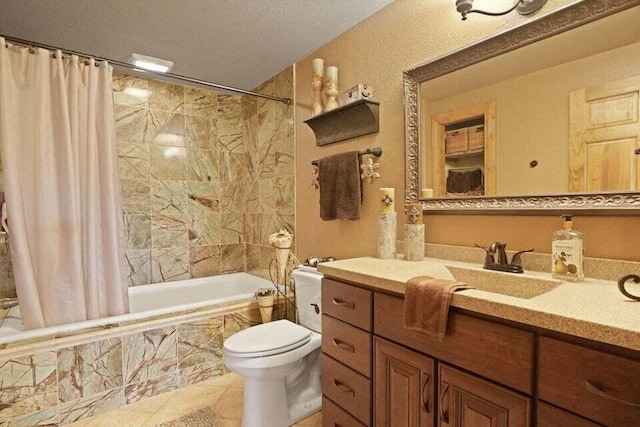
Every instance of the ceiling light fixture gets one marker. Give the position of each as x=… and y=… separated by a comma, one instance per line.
x=150, y=63
x=523, y=7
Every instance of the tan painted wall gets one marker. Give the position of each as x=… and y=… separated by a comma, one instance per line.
x=400, y=36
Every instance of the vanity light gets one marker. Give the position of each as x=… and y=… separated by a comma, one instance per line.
x=524, y=7
x=150, y=63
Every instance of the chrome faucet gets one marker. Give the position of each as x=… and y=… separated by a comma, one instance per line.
x=502, y=264
x=6, y=303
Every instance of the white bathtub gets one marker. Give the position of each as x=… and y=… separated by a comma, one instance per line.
x=151, y=301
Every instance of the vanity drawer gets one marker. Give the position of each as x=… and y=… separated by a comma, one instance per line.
x=347, y=388
x=335, y=416
x=347, y=344
x=501, y=353
x=347, y=303
x=550, y=416
x=599, y=386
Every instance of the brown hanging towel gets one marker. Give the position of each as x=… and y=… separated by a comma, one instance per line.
x=340, y=186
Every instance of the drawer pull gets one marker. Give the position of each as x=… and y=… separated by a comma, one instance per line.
x=425, y=393
x=591, y=388
x=344, y=346
x=343, y=387
x=341, y=303
x=444, y=416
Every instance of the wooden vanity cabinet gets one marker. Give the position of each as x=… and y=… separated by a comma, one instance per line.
x=347, y=355
x=404, y=386
x=483, y=373
x=470, y=401
x=600, y=386
x=550, y=416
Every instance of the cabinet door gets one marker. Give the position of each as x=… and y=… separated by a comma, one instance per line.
x=404, y=386
x=468, y=401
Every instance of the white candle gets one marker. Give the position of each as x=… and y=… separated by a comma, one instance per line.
x=332, y=73
x=387, y=199
x=426, y=193
x=318, y=67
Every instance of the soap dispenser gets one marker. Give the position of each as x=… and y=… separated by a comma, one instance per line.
x=567, y=252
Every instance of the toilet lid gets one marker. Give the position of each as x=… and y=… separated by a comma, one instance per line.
x=267, y=339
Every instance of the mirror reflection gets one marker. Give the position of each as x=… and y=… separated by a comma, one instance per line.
x=557, y=116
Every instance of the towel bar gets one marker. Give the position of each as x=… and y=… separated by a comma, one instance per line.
x=376, y=151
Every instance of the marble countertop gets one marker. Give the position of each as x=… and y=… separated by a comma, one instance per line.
x=592, y=309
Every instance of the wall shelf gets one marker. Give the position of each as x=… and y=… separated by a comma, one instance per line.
x=355, y=119
x=464, y=154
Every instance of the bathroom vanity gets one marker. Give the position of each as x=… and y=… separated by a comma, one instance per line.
x=533, y=359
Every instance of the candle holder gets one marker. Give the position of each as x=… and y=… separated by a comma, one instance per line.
x=317, y=83
x=414, y=233
x=331, y=88
x=387, y=224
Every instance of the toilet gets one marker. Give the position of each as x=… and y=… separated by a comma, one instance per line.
x=280, y=361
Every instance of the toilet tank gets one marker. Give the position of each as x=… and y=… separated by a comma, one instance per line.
x=308, y=283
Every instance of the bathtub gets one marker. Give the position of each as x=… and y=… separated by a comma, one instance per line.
x=172, y=338
x=150, y=301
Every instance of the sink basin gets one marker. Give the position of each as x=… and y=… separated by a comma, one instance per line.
x=514, y=285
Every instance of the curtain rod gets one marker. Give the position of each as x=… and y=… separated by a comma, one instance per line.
x=132, y=67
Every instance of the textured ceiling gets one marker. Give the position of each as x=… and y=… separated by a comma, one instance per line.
x=238, y=43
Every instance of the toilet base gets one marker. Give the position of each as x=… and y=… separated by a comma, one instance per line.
x=268, y=403
x=272, y=399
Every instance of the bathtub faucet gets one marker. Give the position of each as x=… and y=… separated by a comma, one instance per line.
x=6, y=303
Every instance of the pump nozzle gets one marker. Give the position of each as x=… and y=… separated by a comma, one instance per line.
x=567, y=221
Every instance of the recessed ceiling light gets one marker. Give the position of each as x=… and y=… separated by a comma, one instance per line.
x=150, y=63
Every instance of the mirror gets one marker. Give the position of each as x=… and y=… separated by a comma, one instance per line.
x=540, y=119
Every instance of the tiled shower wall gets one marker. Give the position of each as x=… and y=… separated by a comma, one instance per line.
x=205, y=178
x=269, y=159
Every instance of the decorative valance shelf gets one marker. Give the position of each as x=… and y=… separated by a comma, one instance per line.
x=355, y=119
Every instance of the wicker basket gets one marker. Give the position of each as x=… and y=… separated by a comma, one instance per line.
x=456, y=141
x=476, y=137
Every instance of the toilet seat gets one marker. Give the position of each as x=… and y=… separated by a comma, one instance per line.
x=267, y=339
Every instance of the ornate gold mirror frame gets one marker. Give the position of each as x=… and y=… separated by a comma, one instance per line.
x=566, y=18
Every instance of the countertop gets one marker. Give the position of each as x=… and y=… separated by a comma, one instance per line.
x=591, y=309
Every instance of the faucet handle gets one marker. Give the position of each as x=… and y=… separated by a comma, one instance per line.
x=489, y=257
x=517, y=259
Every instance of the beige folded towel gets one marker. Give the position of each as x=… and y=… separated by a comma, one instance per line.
x=426, y=305
x=340, y=186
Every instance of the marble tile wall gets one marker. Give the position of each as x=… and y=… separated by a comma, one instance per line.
x=53, y=383
x=270, y=199
x=205, y=177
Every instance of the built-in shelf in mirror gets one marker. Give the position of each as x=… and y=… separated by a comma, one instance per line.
x=348, y=121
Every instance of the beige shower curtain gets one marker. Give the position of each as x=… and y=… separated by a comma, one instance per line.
x=59, y=161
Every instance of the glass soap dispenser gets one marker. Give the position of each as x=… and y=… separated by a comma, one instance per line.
x=567, y=252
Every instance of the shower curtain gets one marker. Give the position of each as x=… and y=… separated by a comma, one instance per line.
x=59, y=161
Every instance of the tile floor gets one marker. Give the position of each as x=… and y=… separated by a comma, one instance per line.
x=223, y=394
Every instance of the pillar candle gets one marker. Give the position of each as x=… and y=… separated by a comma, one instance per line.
x=387, y=199
x=332, y=73
x=318, y=67
x=426, y=193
